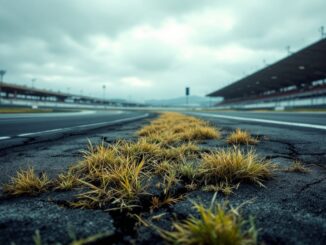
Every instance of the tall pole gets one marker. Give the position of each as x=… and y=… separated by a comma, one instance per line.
x=187, y=95
x=322, y=32
x=264, y=62
x=2, y=73
x=33, y=81
x=288, y=49
x=103, y=87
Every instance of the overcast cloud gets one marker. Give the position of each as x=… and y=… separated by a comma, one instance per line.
x=149, y=49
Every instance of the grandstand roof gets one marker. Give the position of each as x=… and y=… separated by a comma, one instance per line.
x=11, y=88
x=299, y=68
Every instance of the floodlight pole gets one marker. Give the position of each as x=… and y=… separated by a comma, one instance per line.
x=322, y=32
x=33, y=81
x=288, y=49
x=264, y=62
x=2, y=73
x=103, y=87
x=187, y=95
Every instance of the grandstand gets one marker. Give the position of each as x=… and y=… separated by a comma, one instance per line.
x=299, y=80
x=18, y=95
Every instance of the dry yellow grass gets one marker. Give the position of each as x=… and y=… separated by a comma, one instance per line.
x=200, y=133
x=188, y=171
x=119, y=184
x=234, y=165
x=241, y=137
x=168, y=200
x=66, y=181
x=142, y=149
x=114, y=173
x=297, y=167
x=173, y=127
x=115, y=176
x=179, y=153
x=27, y=182
x=215, y=225
x=224, y=187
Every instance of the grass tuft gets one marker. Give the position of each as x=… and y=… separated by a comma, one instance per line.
x=168, y=200
x=224, y=187
x=200, y=133
x=171, y=128
x=27, y=182
x=216, y=225
x=233, y=165
x=297, y=167
x=241, y=137
x=188, y=171
x=119, y=184
x=66, y=181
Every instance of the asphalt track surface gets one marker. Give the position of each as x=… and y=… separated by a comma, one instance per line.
x=26, y=125
x=302, y=134
x=16, y=126
x=289, y=210
x=297, y=120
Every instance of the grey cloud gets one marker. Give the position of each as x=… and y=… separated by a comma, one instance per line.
x=53, y=41
x=270, y=24
x=150, y=56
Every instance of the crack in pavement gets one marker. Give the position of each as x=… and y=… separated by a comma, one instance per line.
x=306, y=186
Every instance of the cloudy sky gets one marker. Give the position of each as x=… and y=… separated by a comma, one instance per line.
x=149, y=49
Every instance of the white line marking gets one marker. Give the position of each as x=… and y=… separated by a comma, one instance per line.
x=4, y=137
x=84, y=126
x=41, y=132
x=305, y=125
x=42, y=115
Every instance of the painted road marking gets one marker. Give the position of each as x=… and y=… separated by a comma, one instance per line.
x=49, y=114
x=84, y=126
x=42, y=132
x=305, y=125
x=4, y=137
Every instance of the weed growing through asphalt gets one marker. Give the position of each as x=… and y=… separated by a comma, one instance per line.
x=218, y=224
x=297, y=167
x=119, y=175
x=167, y=200
x=234, y=165
x=66, y=181
x=187, y=171
x=27, y=182
x=174, y=127
x=241, y=137
x=115, y=175
x=223, y=187
x=122, y=176
x=119, y=184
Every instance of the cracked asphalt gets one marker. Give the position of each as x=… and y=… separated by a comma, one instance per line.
x=291, y=209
